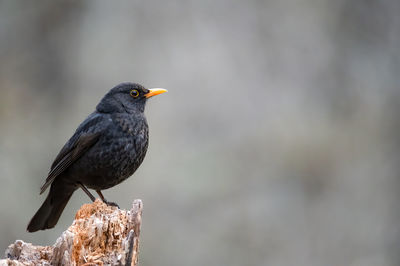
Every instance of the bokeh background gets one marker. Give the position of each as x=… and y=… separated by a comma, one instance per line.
x=278, y=142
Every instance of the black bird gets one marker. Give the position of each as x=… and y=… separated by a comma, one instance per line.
x=105, y=150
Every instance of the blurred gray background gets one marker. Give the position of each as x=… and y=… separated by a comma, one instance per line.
x=278, y=142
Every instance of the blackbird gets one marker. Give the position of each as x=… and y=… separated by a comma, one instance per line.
x=106, y=149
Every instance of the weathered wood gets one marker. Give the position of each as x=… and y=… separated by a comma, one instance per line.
x=99, y=235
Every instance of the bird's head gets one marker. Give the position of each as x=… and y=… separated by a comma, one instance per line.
x=127, y=97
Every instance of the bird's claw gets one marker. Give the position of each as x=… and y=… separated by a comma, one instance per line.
x=110, y=203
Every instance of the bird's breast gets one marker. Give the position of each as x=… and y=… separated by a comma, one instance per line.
x=117, y=155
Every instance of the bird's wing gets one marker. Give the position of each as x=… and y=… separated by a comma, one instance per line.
x=67, y=157
x=84, y=138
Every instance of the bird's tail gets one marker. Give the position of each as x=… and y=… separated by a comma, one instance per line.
x=48, y=214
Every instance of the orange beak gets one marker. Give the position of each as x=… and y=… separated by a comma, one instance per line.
x=155, y=91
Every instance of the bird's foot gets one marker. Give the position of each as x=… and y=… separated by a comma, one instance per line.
x=110, y=203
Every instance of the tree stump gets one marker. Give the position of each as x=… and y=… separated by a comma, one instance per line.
x=99, y=235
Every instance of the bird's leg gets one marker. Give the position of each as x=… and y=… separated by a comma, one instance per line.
x=87, y=192
x=106, y=201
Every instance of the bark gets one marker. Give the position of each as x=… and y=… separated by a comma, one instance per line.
x=99, y=235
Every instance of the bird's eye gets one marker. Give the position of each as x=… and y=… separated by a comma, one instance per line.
x=134, y=93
